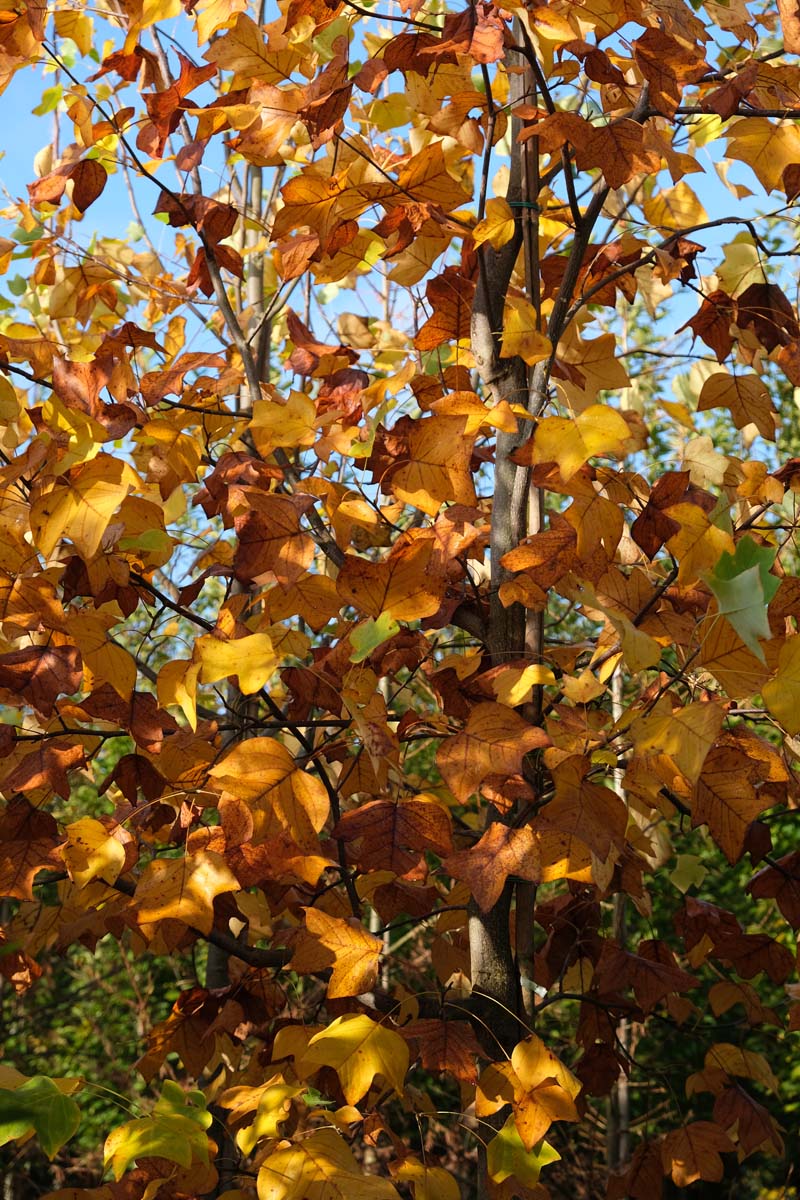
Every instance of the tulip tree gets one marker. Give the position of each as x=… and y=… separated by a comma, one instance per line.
x=375, y=623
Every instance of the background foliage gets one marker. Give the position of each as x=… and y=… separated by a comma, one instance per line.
x=398, y=600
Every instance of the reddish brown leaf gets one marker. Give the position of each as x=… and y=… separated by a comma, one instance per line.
x=652, y=973
x=42, y=673
x=28, y=841
x=46, y=767
x=780, y=882
x=386, y=831
x=693, y=1152
x=445, y=1045
x=755, y=1129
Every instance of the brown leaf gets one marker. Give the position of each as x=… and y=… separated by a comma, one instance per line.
x=140, y=715
x=28, y=841
x=271, y=543
x=693, y=1152
x=654, y=526
x=39, y=674
x=780, y=882
x=619, y=151
x=726, y=801
x=46, y=767
x=445, y=1045
x=789, y=11
x=345, y=947
x=89, y=178
x=502, y=851
x=643, y=1179
x=386, y=830
x=652, y=973
x=494, y=742
x=668, y=65
x=589, y=811
x=712, y=324
x=450, y=296
x=755, y=1128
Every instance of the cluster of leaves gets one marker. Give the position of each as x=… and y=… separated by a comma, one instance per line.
x=390, y=659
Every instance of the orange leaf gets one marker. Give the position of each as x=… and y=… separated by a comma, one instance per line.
x=494, y=742
x=502, y=851
x=344, y=947
x=693, y=1152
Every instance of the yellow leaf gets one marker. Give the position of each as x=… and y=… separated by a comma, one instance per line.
x=768, y=147
x=81, y=508
x=748, y=1064
x=76, y=25
x=686, y=736
x=698, y=545
x=440, y=450
x=346, y=947
x=10, y=406
x=107, y=661
x=520, y=333
x=318, y=1167
x=250, y=659
x=514, y=685
x=91, y=852
x=497, y=227
x=598, y=430
x=269, y=1105
x=429, y=1183
x=782, y=694
x=538, y=1086
x=259, y=780
x=291, y=424
x=177, y=684
x=675, y=208
x=359, y=1049
x=183, y=889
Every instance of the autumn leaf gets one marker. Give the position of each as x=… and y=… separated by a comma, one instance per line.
x=42, y=673
x=726, y=801
x=261, y=785
x=359, y=1049
x=521, y=335
x=250, y=659
x=386, y=831
x=502, y=851
x=183, y=889
x=746, y=397
x=494, y=741
x=497, y=226
x=343, y=946
x=320, y=1164
x=537, y=1085
x=81, y=508
x=445, y=1045
x=782, y=693
x=598, y=430
x=92, y=852
x=28, y=842
x=693, y=1152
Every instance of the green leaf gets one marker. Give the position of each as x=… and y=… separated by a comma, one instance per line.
x=38, y=1106
x=688, y=872
x=49, y=100
x=175, y=1130
x=370, y=634
x=743, y=586
x=507, y=1157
